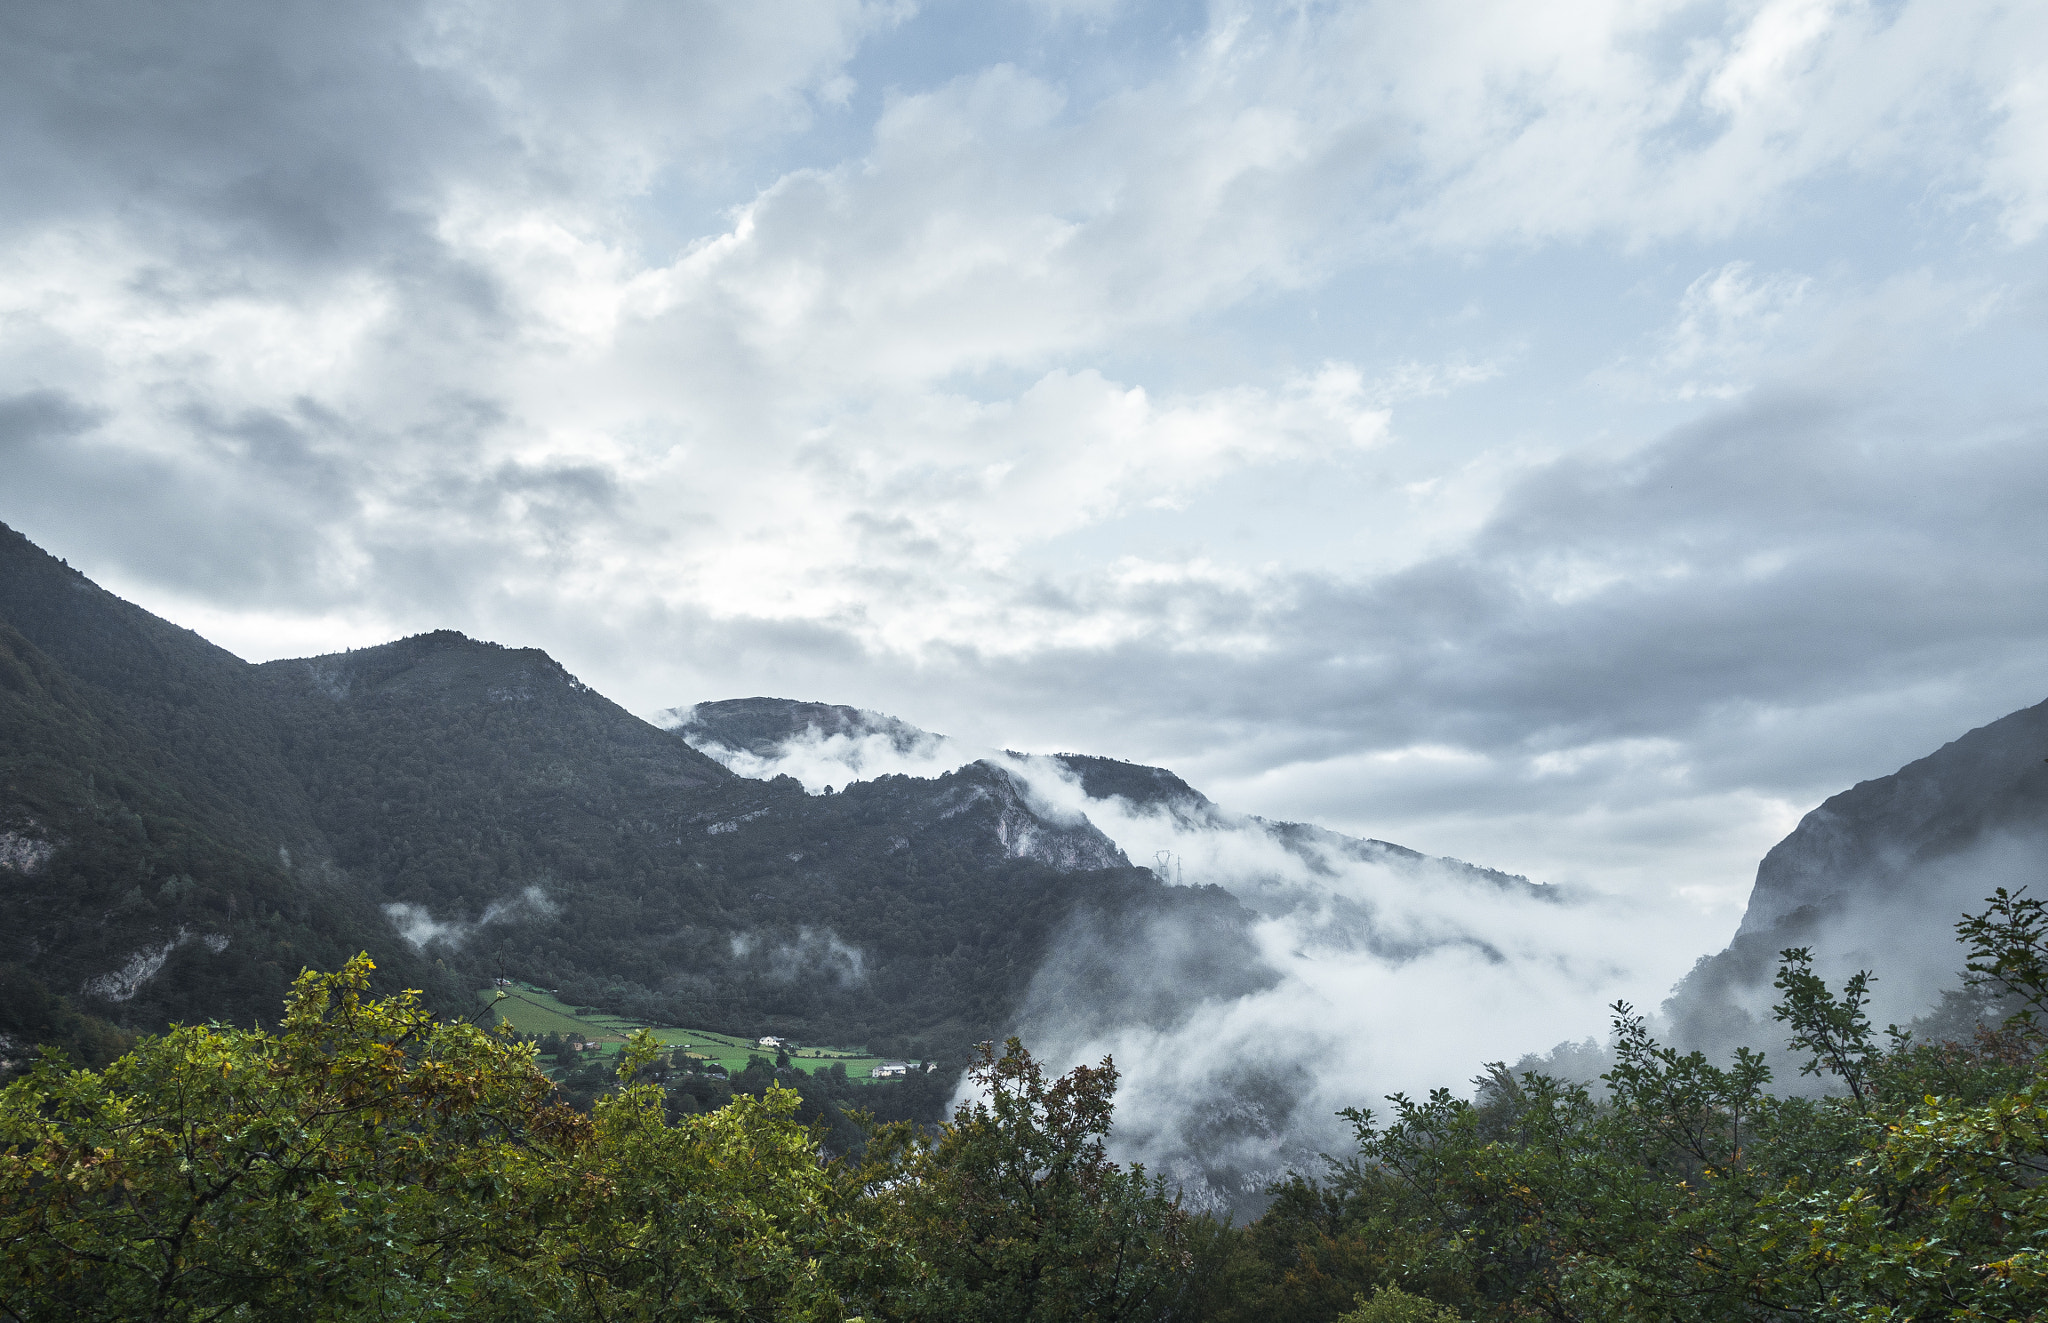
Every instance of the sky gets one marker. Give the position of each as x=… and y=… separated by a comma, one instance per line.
x=1575, y=438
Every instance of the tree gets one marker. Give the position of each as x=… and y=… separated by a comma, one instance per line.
x=1690, y=1193
x=343, y=1166
x=1945, y=1213
x=727, y=1215
x=31, y=1014
x=2009, y=952
x=1390, y=1304
x=369, y=1161
x=1019, y=1215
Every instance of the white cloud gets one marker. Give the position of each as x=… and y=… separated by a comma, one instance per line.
x=1726, y=321
x=1372, y=972
x=417, y=925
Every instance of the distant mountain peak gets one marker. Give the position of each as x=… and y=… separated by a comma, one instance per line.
x=1878, y=836
x=443, y=663
x=827, y=744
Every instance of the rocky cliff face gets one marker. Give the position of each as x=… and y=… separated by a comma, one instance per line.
x=1876, y=877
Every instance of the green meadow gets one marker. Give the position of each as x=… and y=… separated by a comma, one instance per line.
x=534, y=1010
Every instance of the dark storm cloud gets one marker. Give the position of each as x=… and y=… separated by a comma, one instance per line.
x=235, y=133
x=33, y=417
x=300, y=450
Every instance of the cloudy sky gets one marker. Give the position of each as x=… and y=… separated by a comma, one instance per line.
x=1576, y=437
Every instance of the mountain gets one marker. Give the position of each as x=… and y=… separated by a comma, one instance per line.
x=182, y=831
x=1237, y=1042
x=1876, y=877
x=754, y=735
x=763, y=736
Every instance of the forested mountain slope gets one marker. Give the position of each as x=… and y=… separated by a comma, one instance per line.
x=763, y=726
x=181, y=831
x=148, y=818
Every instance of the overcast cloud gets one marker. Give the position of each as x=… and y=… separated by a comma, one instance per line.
x=1576, y=438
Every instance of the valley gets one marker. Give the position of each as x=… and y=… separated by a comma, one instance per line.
x=531, y=1011
x=185, y=831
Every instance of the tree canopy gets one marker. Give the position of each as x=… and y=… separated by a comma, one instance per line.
x=368, y=1159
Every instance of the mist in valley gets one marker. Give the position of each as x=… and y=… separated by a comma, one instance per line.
x=1357, y=969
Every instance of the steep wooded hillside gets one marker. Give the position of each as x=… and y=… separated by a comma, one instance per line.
x=149, y=823
x=181, y=831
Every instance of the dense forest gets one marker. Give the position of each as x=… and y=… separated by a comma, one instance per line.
x=368, y=1159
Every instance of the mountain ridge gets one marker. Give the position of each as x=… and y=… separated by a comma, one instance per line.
x=758, y=734
x=466, y=810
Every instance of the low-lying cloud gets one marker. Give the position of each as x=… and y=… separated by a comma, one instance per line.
x=417, y=925
x=818, y=758
x=808, y=955
x=1362, y=971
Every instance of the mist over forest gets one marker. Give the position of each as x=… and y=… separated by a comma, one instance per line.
x=772, y=868
x=1368, y=969
x=805, y=927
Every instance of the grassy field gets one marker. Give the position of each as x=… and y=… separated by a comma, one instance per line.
x=535, y=1010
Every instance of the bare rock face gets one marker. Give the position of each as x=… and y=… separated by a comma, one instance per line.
x=25, y=851
x=1876, y=877
x=991, y=797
